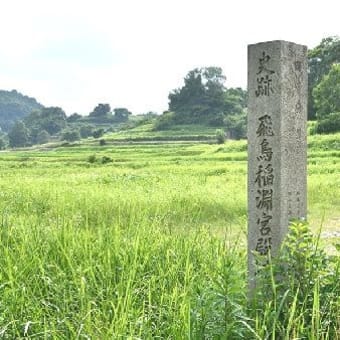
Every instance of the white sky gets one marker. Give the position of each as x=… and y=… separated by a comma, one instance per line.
x=132, y=53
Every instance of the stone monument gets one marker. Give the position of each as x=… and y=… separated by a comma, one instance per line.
x=277, y=145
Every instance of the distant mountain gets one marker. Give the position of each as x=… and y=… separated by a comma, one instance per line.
x=14, y=106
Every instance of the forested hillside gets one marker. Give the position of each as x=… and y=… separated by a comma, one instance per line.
x=14, y=106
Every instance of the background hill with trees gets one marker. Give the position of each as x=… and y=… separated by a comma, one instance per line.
x=15, y=106
x=202, y=102
x=205, y=100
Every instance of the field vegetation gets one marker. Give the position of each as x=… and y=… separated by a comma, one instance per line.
x=148, y=241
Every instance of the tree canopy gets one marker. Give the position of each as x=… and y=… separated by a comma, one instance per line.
x=18, y=136
x=101, y=110
x=327, y=93
x=51, y=119
x=121, y=114
x=15, y=106
x=320, y=61
x=204, y=97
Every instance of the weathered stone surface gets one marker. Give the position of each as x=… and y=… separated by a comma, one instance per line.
x=277, y=145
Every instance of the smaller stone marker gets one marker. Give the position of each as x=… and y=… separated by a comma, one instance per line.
x=277, y=145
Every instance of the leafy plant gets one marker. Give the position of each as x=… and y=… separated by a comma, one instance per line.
x=220, y=136
x=298, y=292
x=92, y=158
x=106, y=159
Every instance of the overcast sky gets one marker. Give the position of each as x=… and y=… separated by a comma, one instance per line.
x=132, y=53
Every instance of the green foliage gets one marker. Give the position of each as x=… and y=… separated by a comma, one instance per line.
x=106, y=159
x=220, y=136
x=327, y=93
x=298, y=292
x=14, y=106
x=121, y=115
x=101, y=110
x=86, y=130
x=43, y=137
x=92, y=158
x=102, y=142
x=51, y=119
x=148, y=246
x=73, y=118
x=216, y=120
x=149, y=116
x=98, y=133
x=235, y=100
x=3, y=142
x=328, y=124
x=165, y=121
x=203, y=98
x=236, y=125
x=70, y=135
x=18, y=136
x=320, y=61
x=321, y=143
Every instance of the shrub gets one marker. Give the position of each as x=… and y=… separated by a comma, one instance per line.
x=3, y=143
x=327, y=124
x=106, y=159
x=86, y=131
x=92, y=159
x=236, y=125
x=216, y=120
x=43, y=137
x=102, y=142
x=70, y=135
x=164, y=122
x=220, y=136
x=98, y=133
x=298, y=292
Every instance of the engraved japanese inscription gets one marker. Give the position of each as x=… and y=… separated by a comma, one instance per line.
x=277, y=114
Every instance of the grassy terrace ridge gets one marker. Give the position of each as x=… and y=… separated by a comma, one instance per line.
x=148, y=241
x=177, y=132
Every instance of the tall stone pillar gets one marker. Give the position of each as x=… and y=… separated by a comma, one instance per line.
x=277, y=145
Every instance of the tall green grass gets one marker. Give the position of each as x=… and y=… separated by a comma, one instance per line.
x=151, y=245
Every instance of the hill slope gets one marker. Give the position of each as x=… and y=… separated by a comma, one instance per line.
x=13, y=106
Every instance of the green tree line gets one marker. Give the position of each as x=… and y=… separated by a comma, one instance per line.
x=50, y=123
x=203, y=99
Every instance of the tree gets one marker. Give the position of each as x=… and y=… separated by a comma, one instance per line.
x=327, y=124
x=101, y=110
x=327, y=93
x=51, y=119
x=97, y=133
x=86, y=131
x=164, y=121
x=236, y=125
x=3, y=143
x=70, y=135
x=18, y=136
x=42, y=137
x=15, y=106
x=201, y=94
x=54, y=119
x=205, y=99
x=320, y=61
x=236, y=99
x=73, y=117
x=121, y=114
x=220, y=136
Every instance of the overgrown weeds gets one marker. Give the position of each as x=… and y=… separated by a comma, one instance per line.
x=298, y=294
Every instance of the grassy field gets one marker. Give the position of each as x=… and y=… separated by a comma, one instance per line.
x=144, y=241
